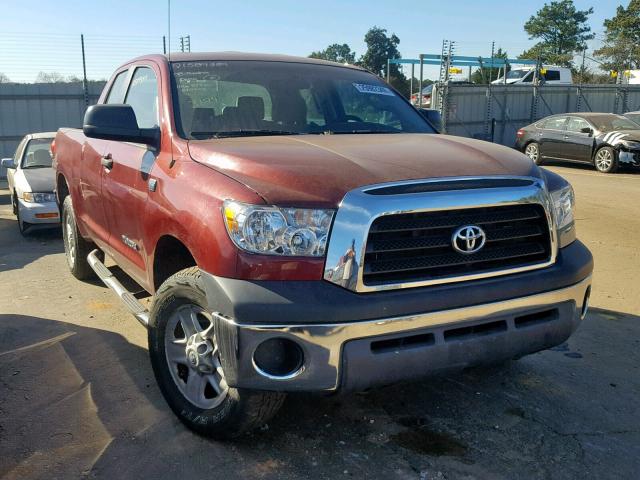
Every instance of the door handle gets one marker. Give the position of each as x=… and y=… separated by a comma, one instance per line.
x=566, y=137
x=107, y=161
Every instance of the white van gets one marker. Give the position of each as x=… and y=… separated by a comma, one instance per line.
x=550, y=75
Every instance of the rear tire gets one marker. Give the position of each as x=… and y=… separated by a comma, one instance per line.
x=76, y=248
x=184, y=352
x=606, y=160
x=532, y=150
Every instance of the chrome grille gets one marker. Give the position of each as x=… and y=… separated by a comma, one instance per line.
x=417, y=246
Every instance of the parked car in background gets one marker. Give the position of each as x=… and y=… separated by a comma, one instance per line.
x=31, y=182
x=548, y=75
x=302, y=227
x=431, y=91
x=605, y=140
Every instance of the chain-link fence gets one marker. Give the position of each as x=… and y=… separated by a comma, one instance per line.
x=47, y=80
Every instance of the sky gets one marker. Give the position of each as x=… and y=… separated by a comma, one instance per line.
x=39, y=35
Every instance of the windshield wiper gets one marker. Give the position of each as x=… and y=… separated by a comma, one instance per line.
x=244, y=133
x=36, y=166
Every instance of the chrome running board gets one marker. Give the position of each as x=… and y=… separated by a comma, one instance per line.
x=130, y=301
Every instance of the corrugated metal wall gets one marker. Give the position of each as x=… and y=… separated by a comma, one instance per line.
x=40, y=107
x=497, y=112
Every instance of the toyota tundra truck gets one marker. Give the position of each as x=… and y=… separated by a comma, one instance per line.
x=300, y=226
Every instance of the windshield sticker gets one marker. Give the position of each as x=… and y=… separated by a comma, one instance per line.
x=373, y=89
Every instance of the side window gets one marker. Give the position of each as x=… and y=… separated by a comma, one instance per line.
x=143, y=97
x=529, y=77
x=116, y=94
x=555, y=123
x=552, y=75
x=576, y=124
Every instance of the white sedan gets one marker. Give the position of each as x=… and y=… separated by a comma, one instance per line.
x=32, y=181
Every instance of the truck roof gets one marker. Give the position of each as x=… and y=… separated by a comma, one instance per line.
x=264, y=57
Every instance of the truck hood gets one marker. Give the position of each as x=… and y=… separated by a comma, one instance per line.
x=317, y=170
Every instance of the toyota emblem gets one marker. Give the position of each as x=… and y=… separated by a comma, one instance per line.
x=468, y=239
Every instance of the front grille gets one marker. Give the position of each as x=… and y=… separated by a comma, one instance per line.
x=417, y=246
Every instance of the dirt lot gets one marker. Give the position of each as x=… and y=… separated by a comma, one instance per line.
x=78, y=398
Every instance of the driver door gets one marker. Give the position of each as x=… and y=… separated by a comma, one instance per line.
x=125, y=188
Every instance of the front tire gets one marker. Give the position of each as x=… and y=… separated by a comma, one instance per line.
x=606, y=160
x=76, y=248
x=532, y=150
x=22, y=225
x=186, y=363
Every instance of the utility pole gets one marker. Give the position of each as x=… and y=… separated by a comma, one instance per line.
x=164, y=44
x=185, y=43
x=85, y=84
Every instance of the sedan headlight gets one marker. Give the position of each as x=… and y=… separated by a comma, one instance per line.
x=631, y=145
x=563, y=208
x=33, y=197
x=278, y=231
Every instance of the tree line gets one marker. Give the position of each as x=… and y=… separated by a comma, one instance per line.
x=561, y=31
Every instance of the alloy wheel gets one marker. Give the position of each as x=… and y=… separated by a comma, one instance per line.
x=193, y=356
x=604, y=160
x=70, y=240
x=532, y=152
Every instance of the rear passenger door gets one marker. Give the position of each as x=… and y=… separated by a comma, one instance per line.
x=91, y=209
x=578, y=145
x=552, y=136
x=125, y=184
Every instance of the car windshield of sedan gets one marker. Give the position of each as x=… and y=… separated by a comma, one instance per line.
x=634, y=117
x=610, y=123
x=37, y=154
x=215, y=99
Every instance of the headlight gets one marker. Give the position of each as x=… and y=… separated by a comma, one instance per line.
x=631, y=144
x=563, y=207
x=278, y=231
x=32, y=197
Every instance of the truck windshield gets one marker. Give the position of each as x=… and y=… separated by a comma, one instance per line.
x=516, y=74
x=214, y=99
x=37, y=154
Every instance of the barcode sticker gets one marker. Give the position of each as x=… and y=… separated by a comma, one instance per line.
x=373, y=89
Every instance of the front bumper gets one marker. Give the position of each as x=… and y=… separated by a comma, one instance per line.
x=354, y=341
x=38, y=213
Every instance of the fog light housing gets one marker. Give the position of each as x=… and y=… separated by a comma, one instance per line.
x=278, y=358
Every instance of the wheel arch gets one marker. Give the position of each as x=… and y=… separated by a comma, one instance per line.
x=170, y=255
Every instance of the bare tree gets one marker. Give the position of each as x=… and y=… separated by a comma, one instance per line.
x=50, y=77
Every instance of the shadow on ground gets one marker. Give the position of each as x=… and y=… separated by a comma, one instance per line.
x=39, y=241
x=77, y=401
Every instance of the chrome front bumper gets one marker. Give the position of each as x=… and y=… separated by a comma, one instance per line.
x=355, y=356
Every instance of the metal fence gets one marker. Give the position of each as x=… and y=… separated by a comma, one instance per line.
x=496, y=112
x=40, y=107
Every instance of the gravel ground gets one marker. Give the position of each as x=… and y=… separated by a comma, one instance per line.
x=78, y=398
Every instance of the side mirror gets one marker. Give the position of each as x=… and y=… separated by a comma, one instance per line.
x=7, y=163
x=118, y=123
x=588, y=130
x=433, y=117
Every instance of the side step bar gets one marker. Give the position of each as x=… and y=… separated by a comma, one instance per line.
x=135, y=307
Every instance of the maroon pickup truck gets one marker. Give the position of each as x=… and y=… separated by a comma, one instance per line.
x=302, y=227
